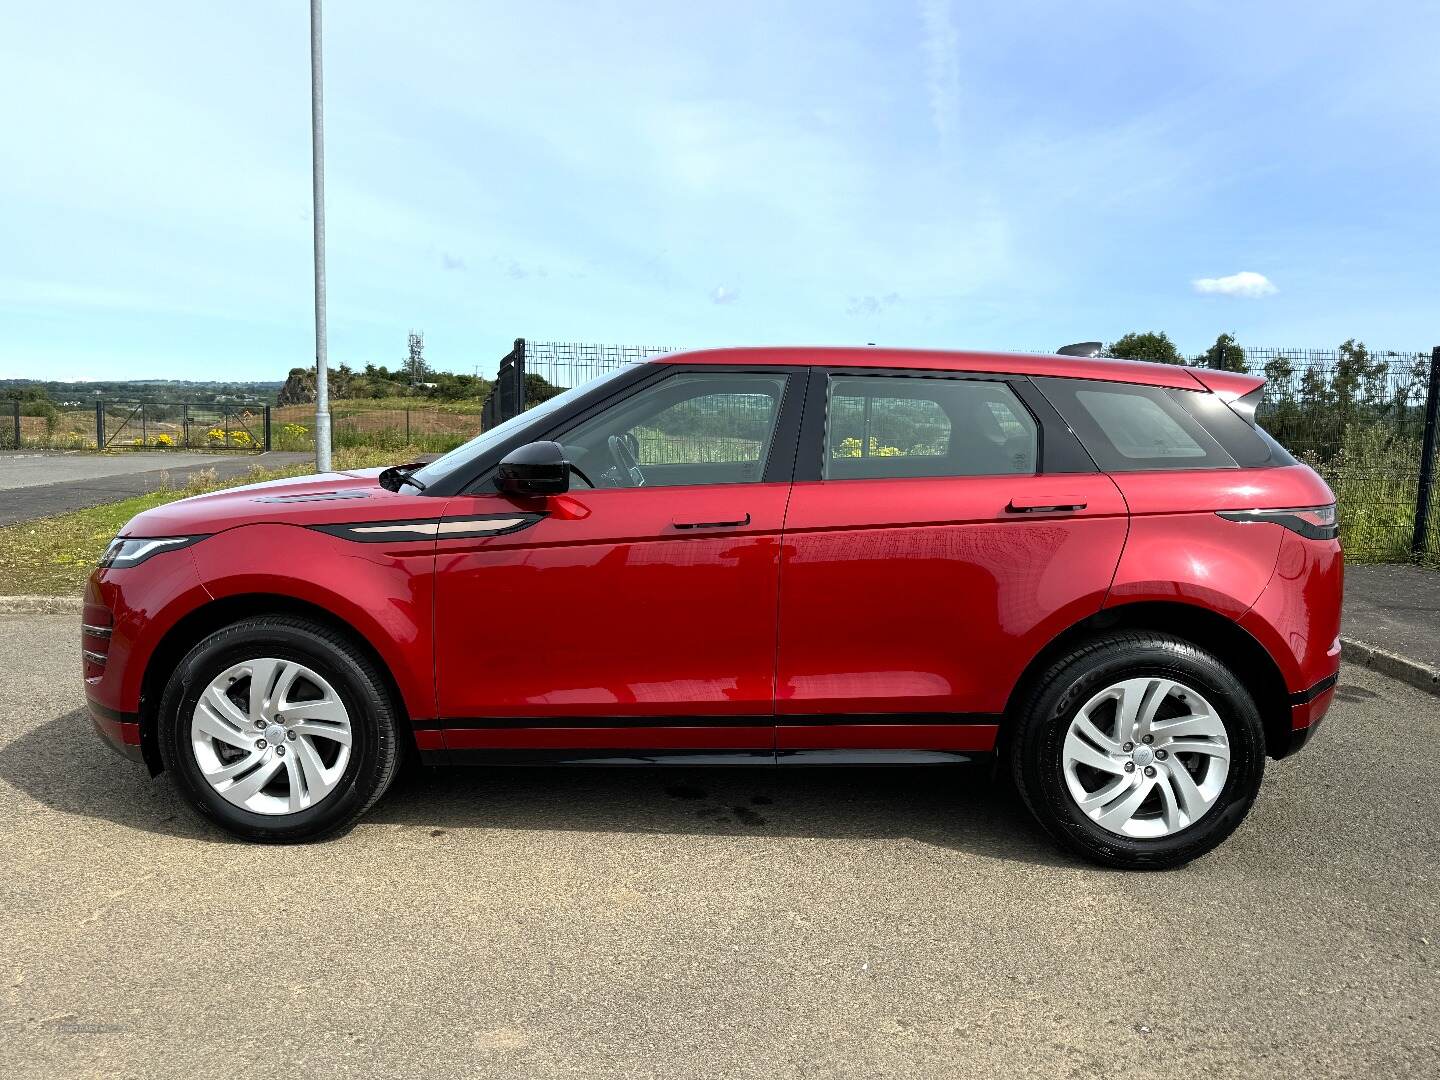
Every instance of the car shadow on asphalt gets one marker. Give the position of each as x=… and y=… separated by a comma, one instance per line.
x=963, y=808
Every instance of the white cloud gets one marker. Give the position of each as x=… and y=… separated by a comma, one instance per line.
x=941, y=45
x=1246, y=283
x=723, y=294
x=870, y=305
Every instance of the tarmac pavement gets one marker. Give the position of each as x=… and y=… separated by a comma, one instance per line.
x=663, y=923
x=36, y=485
x=1395, y=606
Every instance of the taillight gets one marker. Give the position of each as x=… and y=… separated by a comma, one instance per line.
x=1311, y=522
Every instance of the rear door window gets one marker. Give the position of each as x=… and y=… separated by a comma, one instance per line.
x=897, y=426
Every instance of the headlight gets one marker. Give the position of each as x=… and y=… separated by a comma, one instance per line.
x=132, y=551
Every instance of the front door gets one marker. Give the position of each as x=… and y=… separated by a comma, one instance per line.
x=927, y=563
x=637, y=615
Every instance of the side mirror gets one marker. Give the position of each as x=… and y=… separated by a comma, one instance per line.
x=537, y=468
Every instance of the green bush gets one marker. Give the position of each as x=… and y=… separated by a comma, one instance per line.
x=1375, y=479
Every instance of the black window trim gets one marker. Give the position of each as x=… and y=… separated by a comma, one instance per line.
x=1244, y=440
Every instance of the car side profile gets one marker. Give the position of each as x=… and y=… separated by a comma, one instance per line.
x=1102, y=575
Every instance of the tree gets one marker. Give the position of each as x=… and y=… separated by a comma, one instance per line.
x=1358, y=377
x=538, y=389
x=416, y=369
x=1225, y=355
x=1151, y=345
x=1278, y=373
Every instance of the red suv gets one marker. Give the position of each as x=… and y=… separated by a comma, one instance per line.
x=1101, y=572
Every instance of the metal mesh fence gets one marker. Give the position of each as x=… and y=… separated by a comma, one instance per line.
x=1358, y=419
x=177, y=425
x=133, y=425
x=1427, y=547
x=23, y=426
x=429, y=429
x=563, y=364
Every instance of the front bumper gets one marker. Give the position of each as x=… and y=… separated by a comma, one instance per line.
x=119, y=730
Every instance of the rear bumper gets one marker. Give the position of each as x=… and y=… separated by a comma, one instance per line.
x=1307, y=710
x=119, y=730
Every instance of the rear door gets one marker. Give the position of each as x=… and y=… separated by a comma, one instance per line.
x=942, y=529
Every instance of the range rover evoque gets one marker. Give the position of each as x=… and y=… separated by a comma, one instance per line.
x=1103, y=575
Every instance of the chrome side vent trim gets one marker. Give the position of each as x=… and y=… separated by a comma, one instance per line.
x=468, y=528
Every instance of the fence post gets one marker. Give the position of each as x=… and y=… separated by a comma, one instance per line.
x=267, y=429
x=1427, y=459
x=15, y=407
x=519, y=376
x=99, y=424
x=407, y=426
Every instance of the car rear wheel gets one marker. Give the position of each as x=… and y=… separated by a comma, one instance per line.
x=1139, y=750
x=278, y=729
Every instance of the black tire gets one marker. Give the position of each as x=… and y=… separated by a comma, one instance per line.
x=375, y=742
x=1036, y=749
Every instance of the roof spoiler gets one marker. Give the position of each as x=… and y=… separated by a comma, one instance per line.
x=1241, y=392
x=1080, y=348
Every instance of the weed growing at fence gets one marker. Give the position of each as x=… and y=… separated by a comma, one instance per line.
x=1374, y=477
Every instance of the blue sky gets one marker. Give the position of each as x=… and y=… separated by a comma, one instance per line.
x=1009, y=176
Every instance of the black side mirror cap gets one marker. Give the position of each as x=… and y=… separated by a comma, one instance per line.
x=537, y=468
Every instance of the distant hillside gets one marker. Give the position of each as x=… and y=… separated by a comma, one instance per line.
x=192, y=392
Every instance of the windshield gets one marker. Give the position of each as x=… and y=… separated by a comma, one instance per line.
x=469, y=452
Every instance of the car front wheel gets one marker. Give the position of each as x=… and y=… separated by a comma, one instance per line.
x=278, y=729
x=1139, y=750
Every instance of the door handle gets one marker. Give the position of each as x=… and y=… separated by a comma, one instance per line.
x=711, y=524
x=1044, y=504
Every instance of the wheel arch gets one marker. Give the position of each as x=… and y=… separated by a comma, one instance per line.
x=205, y=620
x=1226, y=639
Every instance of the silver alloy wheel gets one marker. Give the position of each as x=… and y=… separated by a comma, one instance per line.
x=1146, y=757
x=271, y=736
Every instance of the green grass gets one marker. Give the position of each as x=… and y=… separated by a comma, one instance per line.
x=1375, y=479
x=53, y=556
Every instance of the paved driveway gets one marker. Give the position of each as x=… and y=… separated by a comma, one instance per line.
x=37, y=485
x=709, y=924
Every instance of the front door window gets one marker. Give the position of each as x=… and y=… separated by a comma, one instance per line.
x=690, y=428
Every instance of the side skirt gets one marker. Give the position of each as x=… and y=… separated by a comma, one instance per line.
x=853, y=739
x=752, y=758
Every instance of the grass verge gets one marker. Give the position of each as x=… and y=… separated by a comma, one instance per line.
x=53, y=556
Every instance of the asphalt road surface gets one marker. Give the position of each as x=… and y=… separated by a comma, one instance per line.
x=36, y=485
x=880, y=923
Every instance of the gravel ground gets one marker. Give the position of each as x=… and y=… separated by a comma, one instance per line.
x=710, y=924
